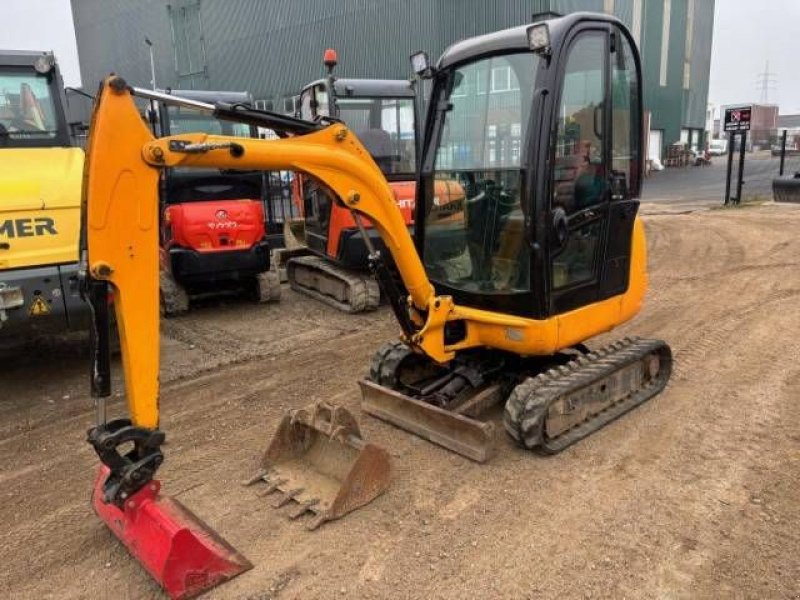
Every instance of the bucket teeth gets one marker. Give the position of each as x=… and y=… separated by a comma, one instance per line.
x=316, y=521
x=287, y=497
x=271, y=487
x=301, y=509
x=260, y=476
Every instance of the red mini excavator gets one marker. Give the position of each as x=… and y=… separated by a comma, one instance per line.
x=213, y=236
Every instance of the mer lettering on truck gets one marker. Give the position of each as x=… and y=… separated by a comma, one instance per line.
x=12, y=228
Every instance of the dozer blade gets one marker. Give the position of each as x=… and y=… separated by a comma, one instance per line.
x=318, y=461
x=179, y=551
x=469, y=437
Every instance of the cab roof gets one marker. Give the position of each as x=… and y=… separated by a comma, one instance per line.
x=21, y=58
x=370, y=88
x=515, y=38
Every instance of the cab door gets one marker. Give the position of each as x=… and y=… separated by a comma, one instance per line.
x=595, y=169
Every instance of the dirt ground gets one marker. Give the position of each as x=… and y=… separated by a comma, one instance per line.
x=694, y=495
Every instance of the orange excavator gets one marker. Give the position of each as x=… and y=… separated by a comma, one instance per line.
x=540, y=126
x=382, y=113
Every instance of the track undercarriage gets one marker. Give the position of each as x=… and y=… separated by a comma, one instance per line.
x=550, y=402
x=347, y=290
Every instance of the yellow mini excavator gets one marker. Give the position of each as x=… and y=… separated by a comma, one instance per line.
x=540, y=128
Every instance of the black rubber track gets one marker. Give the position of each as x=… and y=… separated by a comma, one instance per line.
x=527, y=407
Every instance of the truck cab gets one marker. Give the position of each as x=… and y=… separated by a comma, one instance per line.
x=40, y=196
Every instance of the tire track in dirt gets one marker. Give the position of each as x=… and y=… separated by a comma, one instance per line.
x=658, y=504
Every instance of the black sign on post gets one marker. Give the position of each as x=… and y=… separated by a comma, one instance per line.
x=737, y=124
x=738, y=119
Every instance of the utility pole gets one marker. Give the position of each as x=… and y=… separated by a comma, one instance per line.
x=765, y=82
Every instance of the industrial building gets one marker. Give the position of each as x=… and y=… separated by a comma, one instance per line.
x=273, y=47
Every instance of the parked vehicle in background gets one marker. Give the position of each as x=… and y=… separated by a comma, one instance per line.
x=718, y=147
x=791, y=149
x=213, y=235
x=41, y=170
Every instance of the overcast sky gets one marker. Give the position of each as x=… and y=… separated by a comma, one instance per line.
x=747, y=34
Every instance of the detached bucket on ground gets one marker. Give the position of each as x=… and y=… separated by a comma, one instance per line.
x=319, y=462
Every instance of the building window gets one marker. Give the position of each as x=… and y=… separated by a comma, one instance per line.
x=665, y=42
x=264, y=105
x=289, y=105
x=501, y=79
x=188, y=44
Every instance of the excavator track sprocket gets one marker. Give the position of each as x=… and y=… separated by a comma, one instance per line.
x=348, y=291
x=563, y=405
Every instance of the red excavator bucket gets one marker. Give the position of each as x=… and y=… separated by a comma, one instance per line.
x=180, y=551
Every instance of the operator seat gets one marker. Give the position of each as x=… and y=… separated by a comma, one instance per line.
x=379, y=144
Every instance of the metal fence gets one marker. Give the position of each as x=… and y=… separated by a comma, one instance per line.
x=759, y=168
x=279, y=206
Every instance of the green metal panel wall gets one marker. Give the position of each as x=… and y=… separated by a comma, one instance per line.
x=272, y=47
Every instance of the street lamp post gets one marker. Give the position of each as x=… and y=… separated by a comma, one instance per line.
x=152, y=63
x=152, y=115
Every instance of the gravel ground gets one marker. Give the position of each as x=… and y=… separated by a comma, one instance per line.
x=694, y=495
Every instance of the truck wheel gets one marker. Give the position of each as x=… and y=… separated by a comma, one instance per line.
x=268, y=287
x=174, y=299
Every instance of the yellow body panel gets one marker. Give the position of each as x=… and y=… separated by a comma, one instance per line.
x=40, y=196
x=123, y=165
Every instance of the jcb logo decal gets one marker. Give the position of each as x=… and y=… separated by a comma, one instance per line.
x=12, y=228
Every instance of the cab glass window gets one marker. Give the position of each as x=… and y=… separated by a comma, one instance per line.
x=475, y=219
x=579, y=170
x=626, y=119
x=385, y=126
x=27, y=110
x=187, y=120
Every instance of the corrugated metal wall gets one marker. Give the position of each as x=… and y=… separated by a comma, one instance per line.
x=273, y=47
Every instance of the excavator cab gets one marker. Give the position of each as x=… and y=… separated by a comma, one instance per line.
x=382, y=114
x=550, y=161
